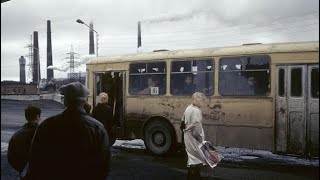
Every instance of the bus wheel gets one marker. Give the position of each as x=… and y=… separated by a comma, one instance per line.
x=158, y=138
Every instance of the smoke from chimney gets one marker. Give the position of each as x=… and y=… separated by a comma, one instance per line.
x=49, y=51
x=174, y=17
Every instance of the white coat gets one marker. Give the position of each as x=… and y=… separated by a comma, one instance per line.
x=193, y=134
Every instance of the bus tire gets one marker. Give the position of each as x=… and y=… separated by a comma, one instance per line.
x=159, y=138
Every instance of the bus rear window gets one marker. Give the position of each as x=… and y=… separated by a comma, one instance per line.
x=244, y=76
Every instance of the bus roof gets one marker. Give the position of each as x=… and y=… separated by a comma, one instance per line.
x=311, y=46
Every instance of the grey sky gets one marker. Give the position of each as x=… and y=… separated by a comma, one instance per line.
x=166, y=24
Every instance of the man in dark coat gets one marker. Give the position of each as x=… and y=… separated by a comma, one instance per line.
x=71, y=145
x=104, y=113
x=19, y=144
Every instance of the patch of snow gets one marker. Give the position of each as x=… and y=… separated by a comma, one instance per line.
x=248, y=157
x=4, y=147
x=241, y=153
x=7, y=132
x=136, y=144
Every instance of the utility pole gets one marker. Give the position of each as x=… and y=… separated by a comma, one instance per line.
x=30, y=56
x=71, y=57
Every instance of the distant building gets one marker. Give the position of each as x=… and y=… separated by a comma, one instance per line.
x=14, y=87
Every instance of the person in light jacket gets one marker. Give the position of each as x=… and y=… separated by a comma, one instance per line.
x=194, y=135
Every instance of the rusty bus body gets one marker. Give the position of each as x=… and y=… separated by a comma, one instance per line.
x=277, y=121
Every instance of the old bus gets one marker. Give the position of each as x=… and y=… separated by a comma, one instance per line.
x=261, y=96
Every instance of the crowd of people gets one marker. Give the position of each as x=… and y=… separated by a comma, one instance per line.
x=75, y=144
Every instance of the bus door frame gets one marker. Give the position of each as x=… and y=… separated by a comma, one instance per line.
x=119, y=131
x=297, y=118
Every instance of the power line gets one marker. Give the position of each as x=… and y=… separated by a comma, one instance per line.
x=289, y=31
x=30, y=55
x=220, y=30
x=272, y=19
x=71, y=62
x=201, y=43
x=227, y=26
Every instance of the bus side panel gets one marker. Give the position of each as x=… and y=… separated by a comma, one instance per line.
x=239, y=122
x=139, y=109
x=240, y=137
x=233, y=122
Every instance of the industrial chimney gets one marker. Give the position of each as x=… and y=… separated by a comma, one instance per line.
x=49, y=52
x=22, y=63
x=91, y=41
x=139, y=34
x=36, y=62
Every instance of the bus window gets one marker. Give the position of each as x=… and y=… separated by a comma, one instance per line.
x=192, y=76
x=315, y=83
x=147, y=78
x=244, y=76
x=296, y=82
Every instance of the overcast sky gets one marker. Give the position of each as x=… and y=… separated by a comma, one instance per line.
x=166, y=24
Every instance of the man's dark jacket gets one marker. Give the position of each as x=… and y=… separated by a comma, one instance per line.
x=19, y=146
x=71, y=145
x=103, y=113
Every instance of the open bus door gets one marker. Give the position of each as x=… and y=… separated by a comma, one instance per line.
x=112, y=83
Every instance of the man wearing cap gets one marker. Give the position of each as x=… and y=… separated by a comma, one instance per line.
x=70, y=145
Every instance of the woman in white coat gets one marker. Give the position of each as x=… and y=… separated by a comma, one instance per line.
x=194, y=135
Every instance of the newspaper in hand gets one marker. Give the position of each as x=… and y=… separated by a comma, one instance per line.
x=209, y=153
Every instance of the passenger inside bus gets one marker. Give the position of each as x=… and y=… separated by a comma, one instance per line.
x=117, y=105
x=106, y=86
x=251, y=86
x=151, y=83
x=188, y=86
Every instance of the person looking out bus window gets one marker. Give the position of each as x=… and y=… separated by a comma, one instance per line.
x=253, y=88
x=19, y=144
x=251, y=85
x=194, y=134
x=103, y=113
x=151, y=83
x=188, y=86
x=70, y=145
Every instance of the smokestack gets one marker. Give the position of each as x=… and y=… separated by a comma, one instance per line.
x=22, y=62
x=91, y=41
x=49, y=51
x=139, y=34
x=36, y=61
